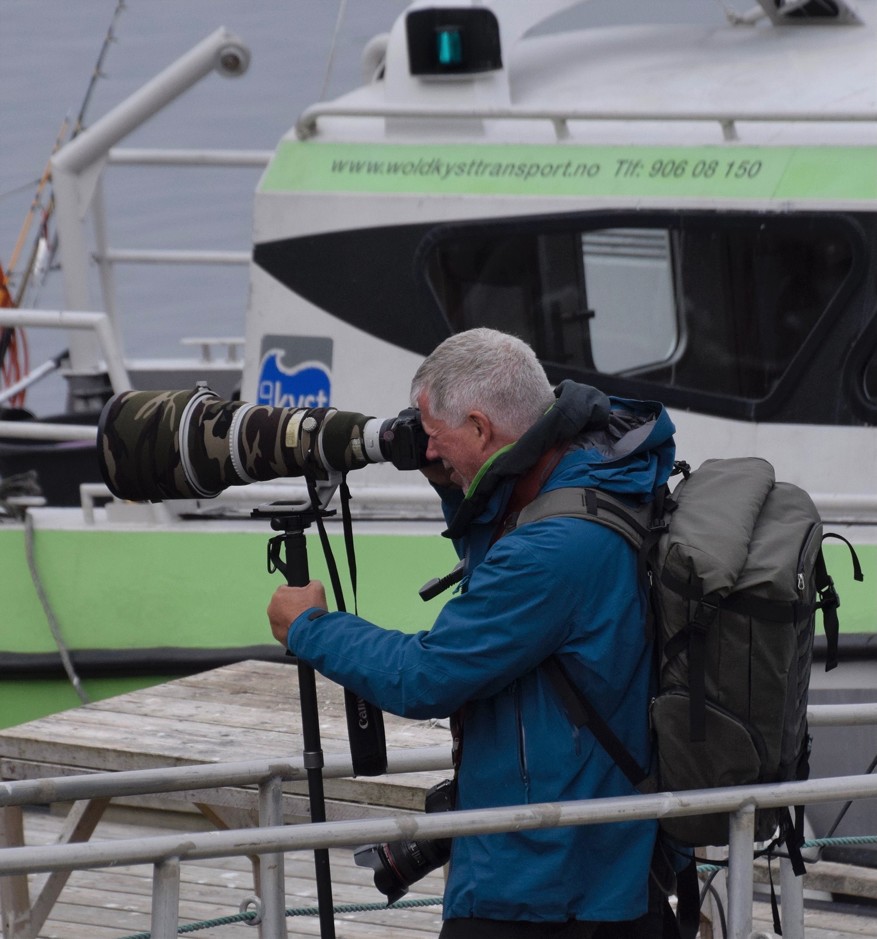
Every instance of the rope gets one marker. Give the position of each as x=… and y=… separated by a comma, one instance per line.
x=54, y=626
x=848, y=841
x=330, y=62
x=297, y=911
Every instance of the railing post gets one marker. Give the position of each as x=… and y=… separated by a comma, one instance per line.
x=272, y=881
x=791, y=899
x=740, y=872
x=166, y=898
x=14, y=891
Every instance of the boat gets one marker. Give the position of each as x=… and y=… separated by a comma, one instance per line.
x=677, y=212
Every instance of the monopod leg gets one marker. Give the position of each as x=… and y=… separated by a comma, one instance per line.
x=297, y=575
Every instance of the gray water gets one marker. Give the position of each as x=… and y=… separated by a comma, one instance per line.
x=48, y=51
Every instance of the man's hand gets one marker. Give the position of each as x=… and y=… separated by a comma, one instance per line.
x=437, y=474
x=290, y=602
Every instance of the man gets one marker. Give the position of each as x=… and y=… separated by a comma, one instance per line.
x=559, y=586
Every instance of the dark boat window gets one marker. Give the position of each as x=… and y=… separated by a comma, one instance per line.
x=754, y=316
x=710, y=304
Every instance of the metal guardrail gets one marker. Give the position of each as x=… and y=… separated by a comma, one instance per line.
x=306, y=127
x=77, y=177
x=166, y=852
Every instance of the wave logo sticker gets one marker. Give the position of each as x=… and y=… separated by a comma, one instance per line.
x=295, y=372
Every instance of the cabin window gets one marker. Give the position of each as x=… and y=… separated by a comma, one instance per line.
x=629, y=271
x=715, y=304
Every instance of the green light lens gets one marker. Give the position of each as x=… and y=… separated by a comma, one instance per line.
x=450, y=46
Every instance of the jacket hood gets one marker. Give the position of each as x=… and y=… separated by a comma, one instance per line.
x=608, y=437
x=632, y=455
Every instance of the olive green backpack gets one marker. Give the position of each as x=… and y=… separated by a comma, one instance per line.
x=733, y=564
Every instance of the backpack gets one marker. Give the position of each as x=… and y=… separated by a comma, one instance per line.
x=733, y=565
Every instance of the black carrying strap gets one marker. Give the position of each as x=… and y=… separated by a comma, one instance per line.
x=829, y=600
x=686, y=921
x=582, y=713
x=365, y=722
x=702, y=618
x=688, y=900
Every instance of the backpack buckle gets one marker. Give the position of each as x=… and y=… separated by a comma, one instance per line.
x=828, y=597
x=705, y=613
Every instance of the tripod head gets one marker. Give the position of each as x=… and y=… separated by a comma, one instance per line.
x=290, y=516
x=293, y=517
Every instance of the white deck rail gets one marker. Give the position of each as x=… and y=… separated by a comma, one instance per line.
x=77, y=177
x=306, y=126
x=77, y=171
x=166, y=852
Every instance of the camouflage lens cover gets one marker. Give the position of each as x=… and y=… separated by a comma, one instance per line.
x=155, y=445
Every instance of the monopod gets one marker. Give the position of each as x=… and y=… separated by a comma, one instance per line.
x=287, y=553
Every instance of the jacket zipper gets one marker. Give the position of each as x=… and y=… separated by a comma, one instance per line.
x=522, y=739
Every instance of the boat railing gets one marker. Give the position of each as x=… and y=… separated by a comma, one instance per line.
x=397, y=502
x=728, y=121
x=106, y=256
x=273, y=838
x=77, y=320
x=77, y=180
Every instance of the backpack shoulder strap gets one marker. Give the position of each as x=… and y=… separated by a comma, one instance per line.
x=641, y=525
x=633, y=522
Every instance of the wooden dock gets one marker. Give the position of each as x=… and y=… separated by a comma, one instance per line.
x=247, y=710
x=115, y=904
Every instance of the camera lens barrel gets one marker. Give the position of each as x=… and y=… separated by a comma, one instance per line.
x=155, y=445
x=398, y=864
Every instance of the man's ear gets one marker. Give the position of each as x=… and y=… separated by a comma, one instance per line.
x=482, y=425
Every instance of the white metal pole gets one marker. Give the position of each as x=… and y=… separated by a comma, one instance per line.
x=77, y=321
x=77, y=166
x=791, y=900
x=272, y=880
x=740, y=872
x=166, y=898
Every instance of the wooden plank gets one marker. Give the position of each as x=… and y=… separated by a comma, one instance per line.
x=821, y=924
x=831, y=877
x=14, y=893
x=176, y=723
x=120, y=897
x=216, y=716
x=246, y=711
x=79, y=825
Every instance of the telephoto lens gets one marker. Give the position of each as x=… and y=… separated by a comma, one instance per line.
x=155, y=445
x=398, y=864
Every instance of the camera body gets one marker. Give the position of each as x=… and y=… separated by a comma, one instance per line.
x=403, y=440
x=398, y=864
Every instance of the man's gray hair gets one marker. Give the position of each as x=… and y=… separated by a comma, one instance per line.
x=485, y=370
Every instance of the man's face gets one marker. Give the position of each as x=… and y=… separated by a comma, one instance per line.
x=462, y=450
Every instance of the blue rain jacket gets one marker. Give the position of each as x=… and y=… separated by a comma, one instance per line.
x=563, y=586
